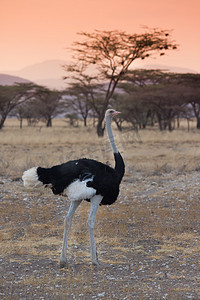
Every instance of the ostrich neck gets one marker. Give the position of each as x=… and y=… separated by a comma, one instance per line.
x=110, y=134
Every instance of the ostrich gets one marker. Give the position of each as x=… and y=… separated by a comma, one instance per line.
x=82, y=179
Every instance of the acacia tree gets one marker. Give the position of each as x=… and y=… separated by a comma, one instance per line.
x=137, y=105
x=112, y=52
x=85, y=90
x=47, y=104
x=152, y=93
x=26, y=111
x=77, y=101
x=12, y=96
x=168, y=104
x=190, y=84
x=81, y=90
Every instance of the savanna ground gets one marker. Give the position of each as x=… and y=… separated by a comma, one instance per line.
x=148, y=241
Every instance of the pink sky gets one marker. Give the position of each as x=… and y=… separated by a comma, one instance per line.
x=32, y=31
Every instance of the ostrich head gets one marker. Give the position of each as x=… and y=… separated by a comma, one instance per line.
x=111, y=112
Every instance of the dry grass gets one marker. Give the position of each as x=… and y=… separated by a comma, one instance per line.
x=148, y=240
x=150, y=151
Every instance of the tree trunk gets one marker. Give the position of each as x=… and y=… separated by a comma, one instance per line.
x=119, y=125
x=170, y=127
x=2, y=120
x=21, y=120
x=100, y=128
x=85, y=121
x=198, y=122
x=160, y=122
x=178, y=122
x=49, y=122
x=188, y=124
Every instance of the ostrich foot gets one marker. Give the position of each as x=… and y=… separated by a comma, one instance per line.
x=63, y=262
x=97, y=263
x=95, y=260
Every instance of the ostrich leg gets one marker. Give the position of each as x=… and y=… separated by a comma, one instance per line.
x=67, y=225
x=95, y=201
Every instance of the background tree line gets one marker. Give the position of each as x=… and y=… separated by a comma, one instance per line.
x=100, y=76
x=145, y=98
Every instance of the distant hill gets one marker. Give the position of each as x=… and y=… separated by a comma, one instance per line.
x=43, y=70
x=48, y=73
x=10, y=80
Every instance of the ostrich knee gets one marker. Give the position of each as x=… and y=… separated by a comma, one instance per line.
x=90, y=224
x=68, y=221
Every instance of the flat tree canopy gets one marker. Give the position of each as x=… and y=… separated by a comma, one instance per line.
x=112, y=52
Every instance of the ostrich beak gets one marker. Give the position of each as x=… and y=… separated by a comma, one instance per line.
x=116, y=112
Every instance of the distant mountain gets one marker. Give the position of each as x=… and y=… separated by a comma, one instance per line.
x=48, y=73
x=10, y=80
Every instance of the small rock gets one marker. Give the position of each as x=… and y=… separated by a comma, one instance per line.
x=101, y=294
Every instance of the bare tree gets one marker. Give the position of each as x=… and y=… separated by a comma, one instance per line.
x=112, y=52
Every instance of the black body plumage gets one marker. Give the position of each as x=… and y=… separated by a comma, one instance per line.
x=104, y=179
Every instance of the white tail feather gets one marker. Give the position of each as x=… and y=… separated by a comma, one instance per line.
x=30, y=178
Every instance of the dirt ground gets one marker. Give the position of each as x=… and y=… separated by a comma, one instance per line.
x=148, y=241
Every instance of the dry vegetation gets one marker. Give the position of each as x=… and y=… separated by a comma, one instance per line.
x=148, y=241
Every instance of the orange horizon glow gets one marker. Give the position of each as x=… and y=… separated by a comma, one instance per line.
x=36, y=30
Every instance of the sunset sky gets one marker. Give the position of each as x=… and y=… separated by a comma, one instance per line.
x=32, y=31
